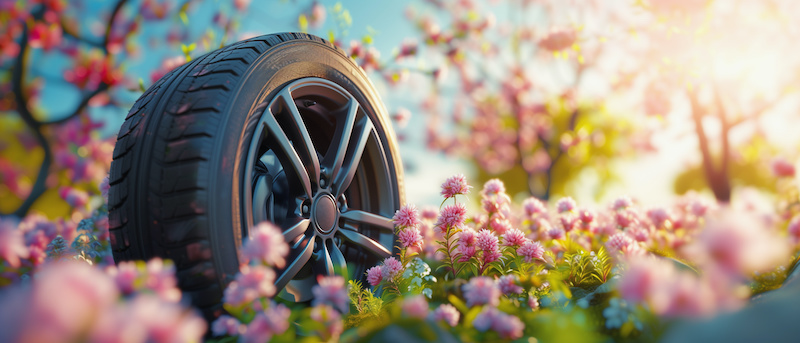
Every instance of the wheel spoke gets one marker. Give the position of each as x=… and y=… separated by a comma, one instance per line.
x=309, y=153
x=261, y=193
x=295, y=231
x=338, y=258
x=363, y=129
x=363, y=217
x=324, y=265
x=365, y=242
x=285, y=144
x=300, y=255
x=341, y=139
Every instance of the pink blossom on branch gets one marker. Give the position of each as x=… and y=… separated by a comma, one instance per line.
x=782, y=168
x=559, y=39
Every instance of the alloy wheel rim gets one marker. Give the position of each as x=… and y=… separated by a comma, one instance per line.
x=317, y=168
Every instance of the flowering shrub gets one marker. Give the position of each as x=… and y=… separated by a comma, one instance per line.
x=502, y=272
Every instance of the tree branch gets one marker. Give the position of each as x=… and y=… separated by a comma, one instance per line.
x=760, y=111
x=17, y=81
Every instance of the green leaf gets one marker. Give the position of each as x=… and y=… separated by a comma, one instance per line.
x=457, y=303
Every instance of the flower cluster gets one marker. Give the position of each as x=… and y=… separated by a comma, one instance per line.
x=70, y=301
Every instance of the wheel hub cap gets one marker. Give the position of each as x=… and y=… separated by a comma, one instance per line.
x=325, y=214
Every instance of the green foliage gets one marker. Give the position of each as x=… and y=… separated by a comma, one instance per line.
x=586, y=270
x=599, y=137
x=365, y=303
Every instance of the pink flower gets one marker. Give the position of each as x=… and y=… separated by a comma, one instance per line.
x=466, y=236
x=331, y=321
x=429, y=213
x=406, y=216
x=401, y=117
x=533, y=302
x=659, y=217
x=670, y=292
x=499, y=225
x=226, y=325
x=410, y=237
x=782, y=168
x=456, y=184
x=317, y=14
x=252, y=283
x=331, y=290
x=513, y=238
x=493, y=187
x=739, y=244
x=508, y=284
x=374, y=276
x=556, y=233
x=155, y=276
x=270, y=322
x=639, y=234
x=507, y=326
x=566, y=204
x=391, y=268
x=452, y=216
x=627, y=218
x=656, y=99
x=531, y=251
x=481, y=290
x=415, y=307
x=241, y=5
x=266, y=245
x=568, y=221
x=558, y=39
x=465, y=252
x=58, y=305
x=447, y=313
x=794, y=229
x=619, y=241
x=45, y=35
x=160, y=279
x=586, y=217
x=486, y=240
x=533, y=206
x=12, y=244
x=125, y=274
x=74, y=197
x=622, y=203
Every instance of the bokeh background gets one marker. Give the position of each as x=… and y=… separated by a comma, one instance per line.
x=582, y=98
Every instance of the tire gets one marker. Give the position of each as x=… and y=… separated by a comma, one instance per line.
x=239, y=136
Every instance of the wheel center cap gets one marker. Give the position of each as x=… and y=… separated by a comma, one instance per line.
x=325, y=213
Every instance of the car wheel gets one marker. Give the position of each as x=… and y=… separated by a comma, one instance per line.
x=282, y=128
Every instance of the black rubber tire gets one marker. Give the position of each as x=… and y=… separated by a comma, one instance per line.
x=178, y=159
